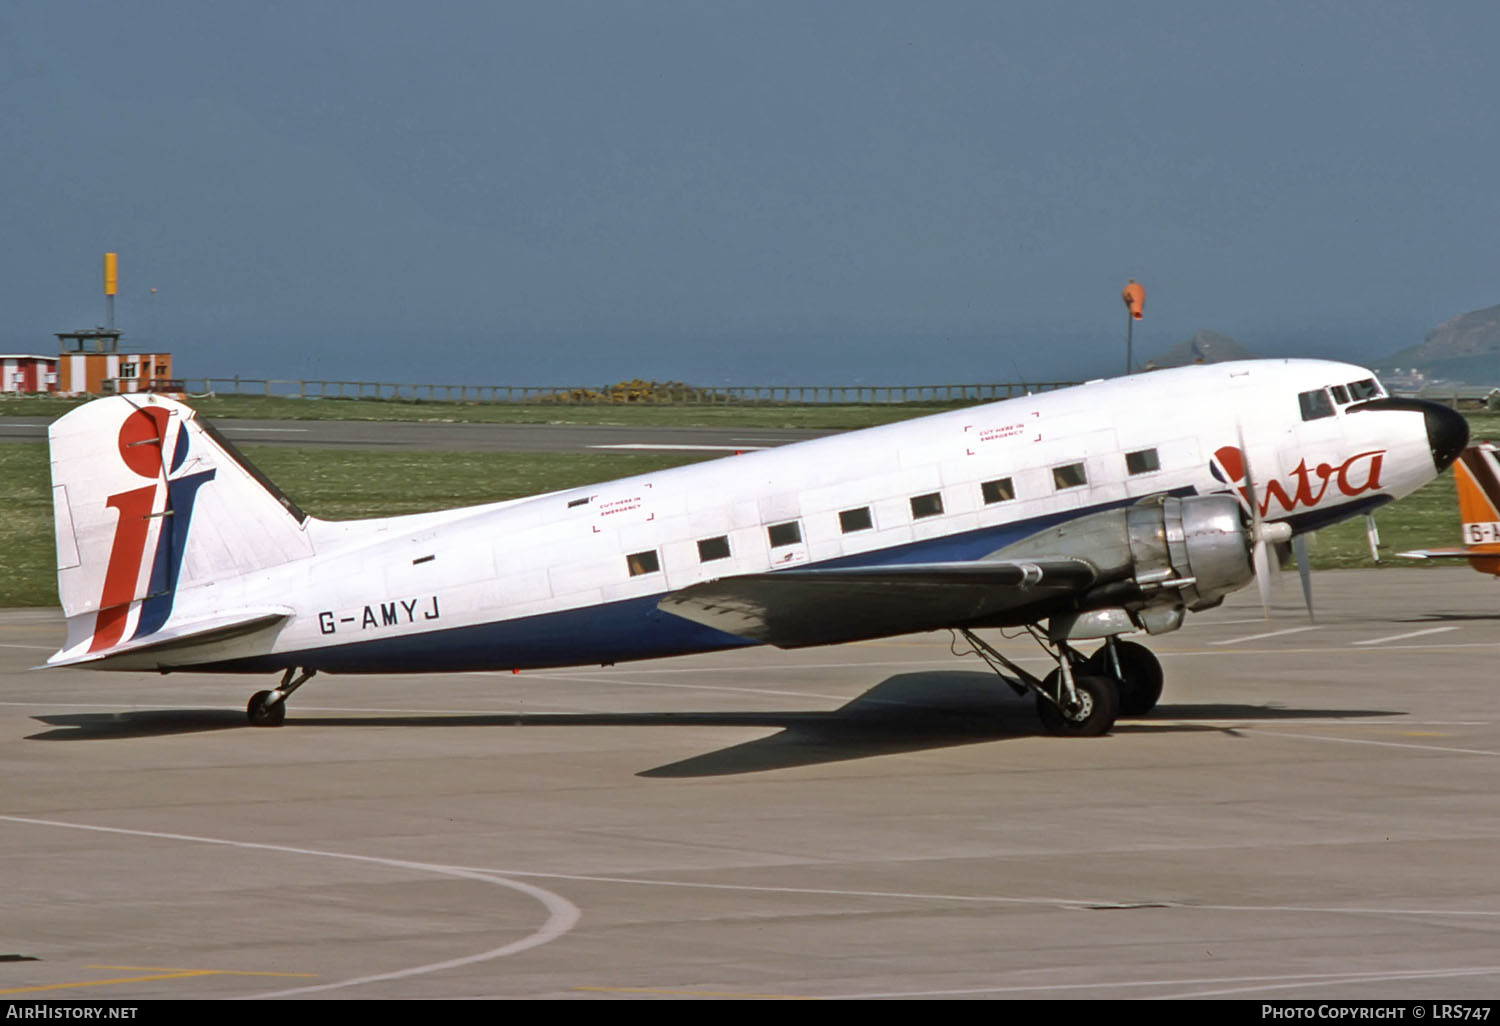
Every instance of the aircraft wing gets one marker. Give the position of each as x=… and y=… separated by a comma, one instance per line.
x=793, y=608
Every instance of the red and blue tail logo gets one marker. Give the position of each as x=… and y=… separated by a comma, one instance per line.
x=154, y=446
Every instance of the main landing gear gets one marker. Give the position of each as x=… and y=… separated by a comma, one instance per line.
x=268, y=708
x=1084, y=695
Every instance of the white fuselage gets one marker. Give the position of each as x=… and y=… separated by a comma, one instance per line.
x=573, y=577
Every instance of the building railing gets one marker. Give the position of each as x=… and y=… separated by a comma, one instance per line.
x=622, y=392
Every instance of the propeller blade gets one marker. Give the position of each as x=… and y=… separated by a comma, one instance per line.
x=1372, y=534
x=1260, y=559
x=1262, y=534
x=1304, y=571
x=1250, y=494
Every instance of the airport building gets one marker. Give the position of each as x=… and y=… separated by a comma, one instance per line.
x=24, y=372
x=91, y=363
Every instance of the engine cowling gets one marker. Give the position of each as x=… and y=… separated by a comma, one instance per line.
x=1154, y=559
x=1202, y=538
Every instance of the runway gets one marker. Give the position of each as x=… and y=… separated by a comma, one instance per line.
x=1312, y=812
x=423, y=437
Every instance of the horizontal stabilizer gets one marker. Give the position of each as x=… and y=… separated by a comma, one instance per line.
x=794, y=608
x=193, y=634
x=1440, y=553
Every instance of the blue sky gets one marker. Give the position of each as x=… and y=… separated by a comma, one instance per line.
x=758, y=192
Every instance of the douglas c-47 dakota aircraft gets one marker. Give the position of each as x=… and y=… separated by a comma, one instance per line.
x=1081, y=515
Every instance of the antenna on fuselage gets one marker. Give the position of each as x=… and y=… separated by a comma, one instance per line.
x=1019, y=376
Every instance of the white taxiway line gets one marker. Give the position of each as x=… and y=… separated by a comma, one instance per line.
x=562, y=914
x=1377, y=744
x=1268, y=634
x=1403, y=637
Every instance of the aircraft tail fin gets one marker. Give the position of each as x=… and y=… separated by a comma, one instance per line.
x=149, y=503
x=1477, y=476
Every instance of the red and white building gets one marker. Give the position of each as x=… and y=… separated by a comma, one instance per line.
x=28, y=373
x=91, y=363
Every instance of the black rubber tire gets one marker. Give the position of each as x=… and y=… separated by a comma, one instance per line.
x=262, y=713
x=1099, y=704
x=1140, y=688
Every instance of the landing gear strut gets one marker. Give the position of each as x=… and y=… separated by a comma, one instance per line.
x=268, y=708
x=1075, y=699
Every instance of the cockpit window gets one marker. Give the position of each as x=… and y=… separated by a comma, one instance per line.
x=1315, y=404
x=1366, y=389
x=1340, y=394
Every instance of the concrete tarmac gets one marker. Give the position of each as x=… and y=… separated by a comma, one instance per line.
x=1313, y=812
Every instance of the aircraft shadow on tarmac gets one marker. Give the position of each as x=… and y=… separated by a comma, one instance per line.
x=1441, y=617
x=907, y=712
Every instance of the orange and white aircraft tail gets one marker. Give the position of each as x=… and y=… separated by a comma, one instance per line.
x=1477, y=474
x=152, y=509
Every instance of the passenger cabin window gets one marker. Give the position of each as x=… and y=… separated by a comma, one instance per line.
x=1143, y=461
x=929, y=505
x=855, y=520
x=789, y=533
x=1000, y=490
x=1366, y=389
x=1340, y=394
x=1315, y=404
x=1070, y=476
x=643, y=563
x=710, y=549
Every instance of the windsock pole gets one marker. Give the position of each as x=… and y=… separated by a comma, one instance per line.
x=1135, y=305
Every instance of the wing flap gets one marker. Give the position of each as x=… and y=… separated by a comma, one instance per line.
x=796, y=608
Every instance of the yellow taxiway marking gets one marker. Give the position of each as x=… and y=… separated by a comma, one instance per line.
x=697, y=993
x=156, y=973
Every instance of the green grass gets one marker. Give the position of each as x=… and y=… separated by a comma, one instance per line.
x=28, y=563
x=832, y=416
x=1423, y=520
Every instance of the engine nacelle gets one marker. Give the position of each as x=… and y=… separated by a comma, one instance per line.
x=1154, y=558
x=1202, y=538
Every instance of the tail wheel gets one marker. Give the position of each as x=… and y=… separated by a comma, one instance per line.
x=1140, y=677
x=1092, y=715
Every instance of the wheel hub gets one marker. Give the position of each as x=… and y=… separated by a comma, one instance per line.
x=1081, y=709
